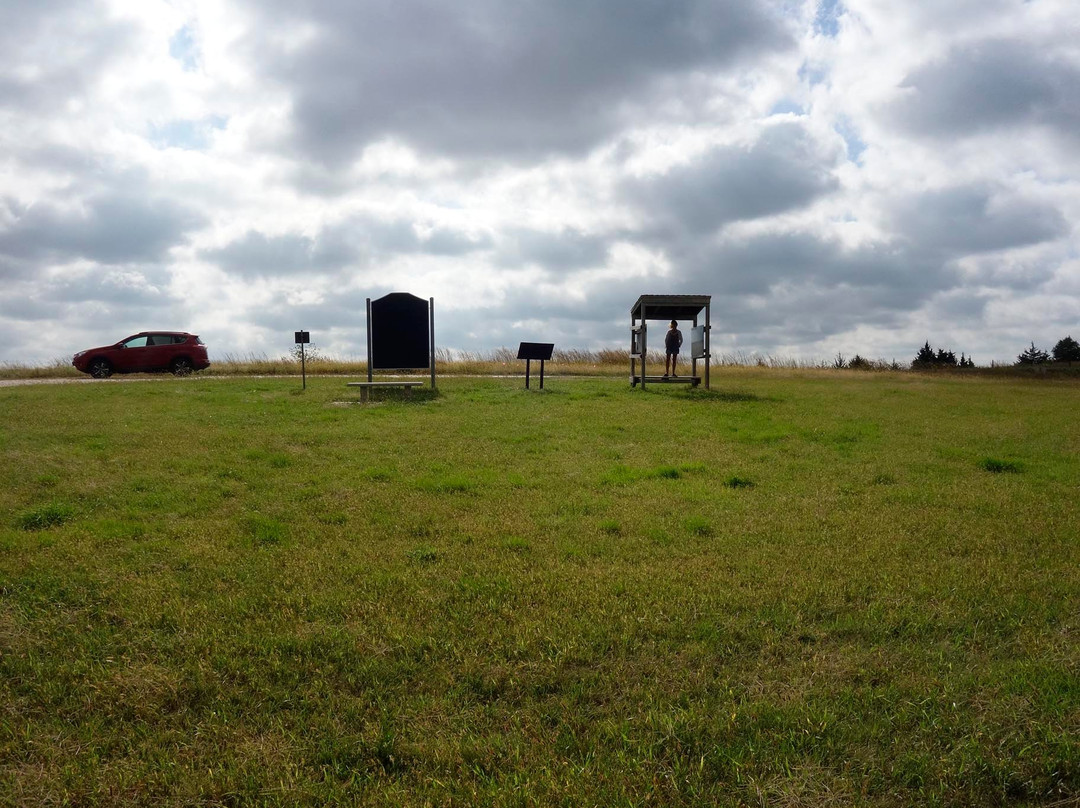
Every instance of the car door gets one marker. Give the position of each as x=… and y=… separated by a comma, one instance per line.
x=132, y=354
x=159, y=351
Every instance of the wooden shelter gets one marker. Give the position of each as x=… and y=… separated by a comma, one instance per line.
x=667, y=308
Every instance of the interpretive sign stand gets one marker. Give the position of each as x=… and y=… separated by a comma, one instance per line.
x=535, y=350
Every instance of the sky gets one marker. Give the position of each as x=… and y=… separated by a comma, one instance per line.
x=841, y=177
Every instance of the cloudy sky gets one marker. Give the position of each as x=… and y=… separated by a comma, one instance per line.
x=841, y=176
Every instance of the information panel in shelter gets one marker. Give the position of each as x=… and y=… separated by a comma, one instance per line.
x=399, y=332
x=697, y=342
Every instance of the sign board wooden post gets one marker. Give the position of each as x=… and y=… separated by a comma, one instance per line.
x=302, y=338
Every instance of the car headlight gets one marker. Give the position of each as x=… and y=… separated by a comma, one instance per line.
x=80, y=353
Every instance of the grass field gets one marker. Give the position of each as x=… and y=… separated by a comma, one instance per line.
x=798, y=589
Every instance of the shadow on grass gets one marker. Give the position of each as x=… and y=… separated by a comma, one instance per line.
x=392, y=396
x=722, y=396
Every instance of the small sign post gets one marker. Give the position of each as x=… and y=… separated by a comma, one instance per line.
x=302, y=338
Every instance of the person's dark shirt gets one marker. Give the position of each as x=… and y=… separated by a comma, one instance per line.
x=673, y=340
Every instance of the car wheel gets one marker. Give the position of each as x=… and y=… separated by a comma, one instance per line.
x=100, y=369
x=182, y=366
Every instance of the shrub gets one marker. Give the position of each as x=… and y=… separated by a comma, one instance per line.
x=309, y=353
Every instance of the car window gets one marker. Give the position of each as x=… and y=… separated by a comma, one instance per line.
x=135, y=342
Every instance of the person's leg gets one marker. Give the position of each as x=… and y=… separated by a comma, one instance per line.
x=674, y=361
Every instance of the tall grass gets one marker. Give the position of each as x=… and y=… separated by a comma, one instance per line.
x=564, y=362
x=55, y=369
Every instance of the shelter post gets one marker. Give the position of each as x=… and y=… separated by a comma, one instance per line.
x=693, y=356
x=431, y=332
x=644, y=344
x=708, y=346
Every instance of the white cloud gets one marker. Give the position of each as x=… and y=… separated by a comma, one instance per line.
x=843, y=176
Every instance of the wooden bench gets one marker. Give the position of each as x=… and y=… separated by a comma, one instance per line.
x=693, y=381
x=366, y=386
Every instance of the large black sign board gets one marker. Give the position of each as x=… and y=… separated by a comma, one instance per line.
x=399, y=332
x=301, y=337
x=535, y=350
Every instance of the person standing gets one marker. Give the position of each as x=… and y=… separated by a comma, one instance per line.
x=672, y=343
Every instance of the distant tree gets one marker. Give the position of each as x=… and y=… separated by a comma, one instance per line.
x=860, y=363
x=925, y=357
x=945, y=358
x=1066, y=350
x=1033, y=356
x=839, y=363
x=311, y=353
x=966, y=361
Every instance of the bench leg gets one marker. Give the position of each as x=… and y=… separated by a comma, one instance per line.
x=363, y=394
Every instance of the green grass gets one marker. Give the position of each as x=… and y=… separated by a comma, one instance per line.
x=800, y=589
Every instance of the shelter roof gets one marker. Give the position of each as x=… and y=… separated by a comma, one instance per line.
x=670, y=307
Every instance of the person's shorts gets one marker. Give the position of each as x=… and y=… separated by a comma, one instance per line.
x=674, y=352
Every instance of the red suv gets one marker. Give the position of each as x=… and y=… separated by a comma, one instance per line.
x=145, y=352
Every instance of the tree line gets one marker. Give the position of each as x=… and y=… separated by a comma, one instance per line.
x=1066, y=350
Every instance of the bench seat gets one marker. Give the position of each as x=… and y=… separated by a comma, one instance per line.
x=693, y=381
